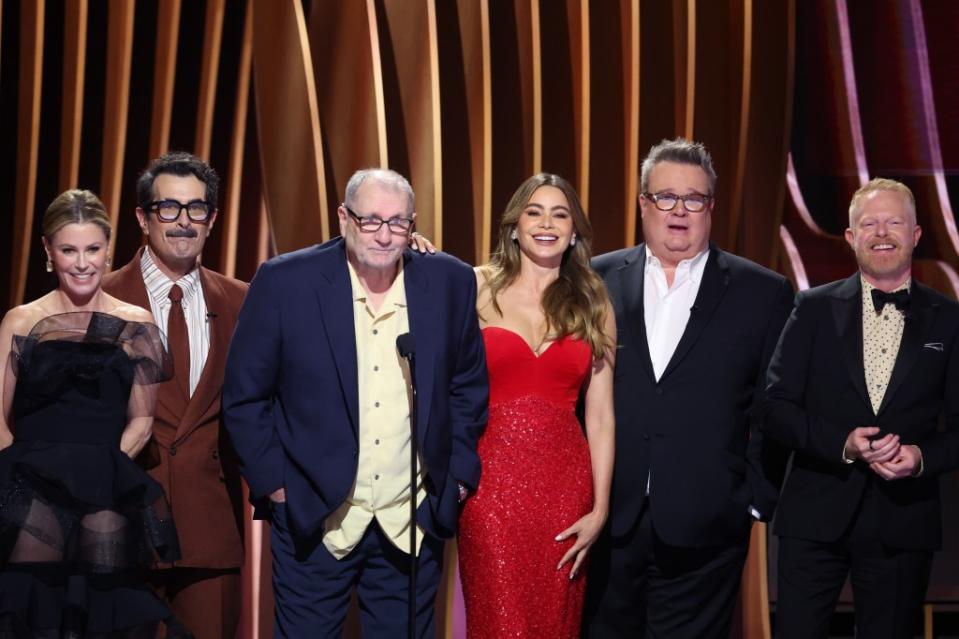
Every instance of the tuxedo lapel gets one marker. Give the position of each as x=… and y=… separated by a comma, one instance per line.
x=847, y=314
x=211, y=379
x=919, y=321
x=711, y=290
x=423, y=320
x=334, y=297
x=632, y=281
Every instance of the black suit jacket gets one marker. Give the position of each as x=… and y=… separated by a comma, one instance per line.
x=690, y=431
x=817, y=395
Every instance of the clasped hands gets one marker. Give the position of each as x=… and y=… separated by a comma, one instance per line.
x=886, y=455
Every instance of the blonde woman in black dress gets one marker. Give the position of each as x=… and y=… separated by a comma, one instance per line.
x=78, y=518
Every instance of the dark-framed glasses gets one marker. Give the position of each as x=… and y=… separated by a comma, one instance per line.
x=169, y=210
x=372, y=223
x=694, y=202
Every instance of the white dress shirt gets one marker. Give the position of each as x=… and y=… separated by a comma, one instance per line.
x=667, y=307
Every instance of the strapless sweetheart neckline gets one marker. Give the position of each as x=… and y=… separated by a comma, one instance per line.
x=523, y=339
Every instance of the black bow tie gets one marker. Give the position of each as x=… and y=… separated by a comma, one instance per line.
x=900, y=299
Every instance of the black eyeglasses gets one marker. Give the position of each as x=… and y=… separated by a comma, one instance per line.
x=372, y=223
x=169, y=210
x=694, y=202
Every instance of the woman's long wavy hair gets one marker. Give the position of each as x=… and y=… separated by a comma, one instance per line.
x=575, y=304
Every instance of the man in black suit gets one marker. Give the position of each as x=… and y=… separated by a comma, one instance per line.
x=861, y=375
x=696, y=328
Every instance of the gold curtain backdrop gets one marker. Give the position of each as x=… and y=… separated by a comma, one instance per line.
x=799, y=103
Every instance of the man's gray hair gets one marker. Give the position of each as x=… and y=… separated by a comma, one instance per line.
x=681, y=151
x=386, y=178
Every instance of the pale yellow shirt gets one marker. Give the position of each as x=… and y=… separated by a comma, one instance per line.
x=381, y=489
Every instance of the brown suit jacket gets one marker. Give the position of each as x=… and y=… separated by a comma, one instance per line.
x=190, y=453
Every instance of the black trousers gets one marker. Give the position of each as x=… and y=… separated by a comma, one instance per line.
x=640, y=586
x=888, y=587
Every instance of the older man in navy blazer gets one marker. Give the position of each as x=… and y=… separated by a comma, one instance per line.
x=316, y=400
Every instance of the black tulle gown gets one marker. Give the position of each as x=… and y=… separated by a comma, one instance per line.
x=79, y=520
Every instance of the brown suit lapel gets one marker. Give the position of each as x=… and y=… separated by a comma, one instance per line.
x=221, y=321
x=127, y=284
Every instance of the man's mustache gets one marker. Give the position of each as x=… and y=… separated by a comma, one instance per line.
x=181, y=233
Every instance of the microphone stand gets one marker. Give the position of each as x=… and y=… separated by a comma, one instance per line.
x=407, y=349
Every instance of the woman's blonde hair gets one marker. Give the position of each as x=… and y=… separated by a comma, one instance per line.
x=76, y=206
x=575, y=304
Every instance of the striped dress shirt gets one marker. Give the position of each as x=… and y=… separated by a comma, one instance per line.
x=158, y=287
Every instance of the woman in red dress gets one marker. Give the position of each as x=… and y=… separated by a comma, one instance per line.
x=543, y=498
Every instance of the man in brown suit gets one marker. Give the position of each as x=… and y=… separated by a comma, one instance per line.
x=196, y=308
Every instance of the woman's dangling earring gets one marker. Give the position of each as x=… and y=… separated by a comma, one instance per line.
x=572, y=241
x=513, y=235
x=49, y=265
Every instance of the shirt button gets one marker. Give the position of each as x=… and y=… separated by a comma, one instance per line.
x=376, y=476
x=375, y=331
x=659, y=391
x=376, y=404
x=376, y=441
x=376, y=368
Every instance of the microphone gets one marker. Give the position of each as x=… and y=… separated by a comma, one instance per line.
x=406, y=345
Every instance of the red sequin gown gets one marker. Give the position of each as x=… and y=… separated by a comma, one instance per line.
x=536, y=482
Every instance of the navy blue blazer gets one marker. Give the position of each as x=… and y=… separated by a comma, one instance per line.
x=290, y=396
